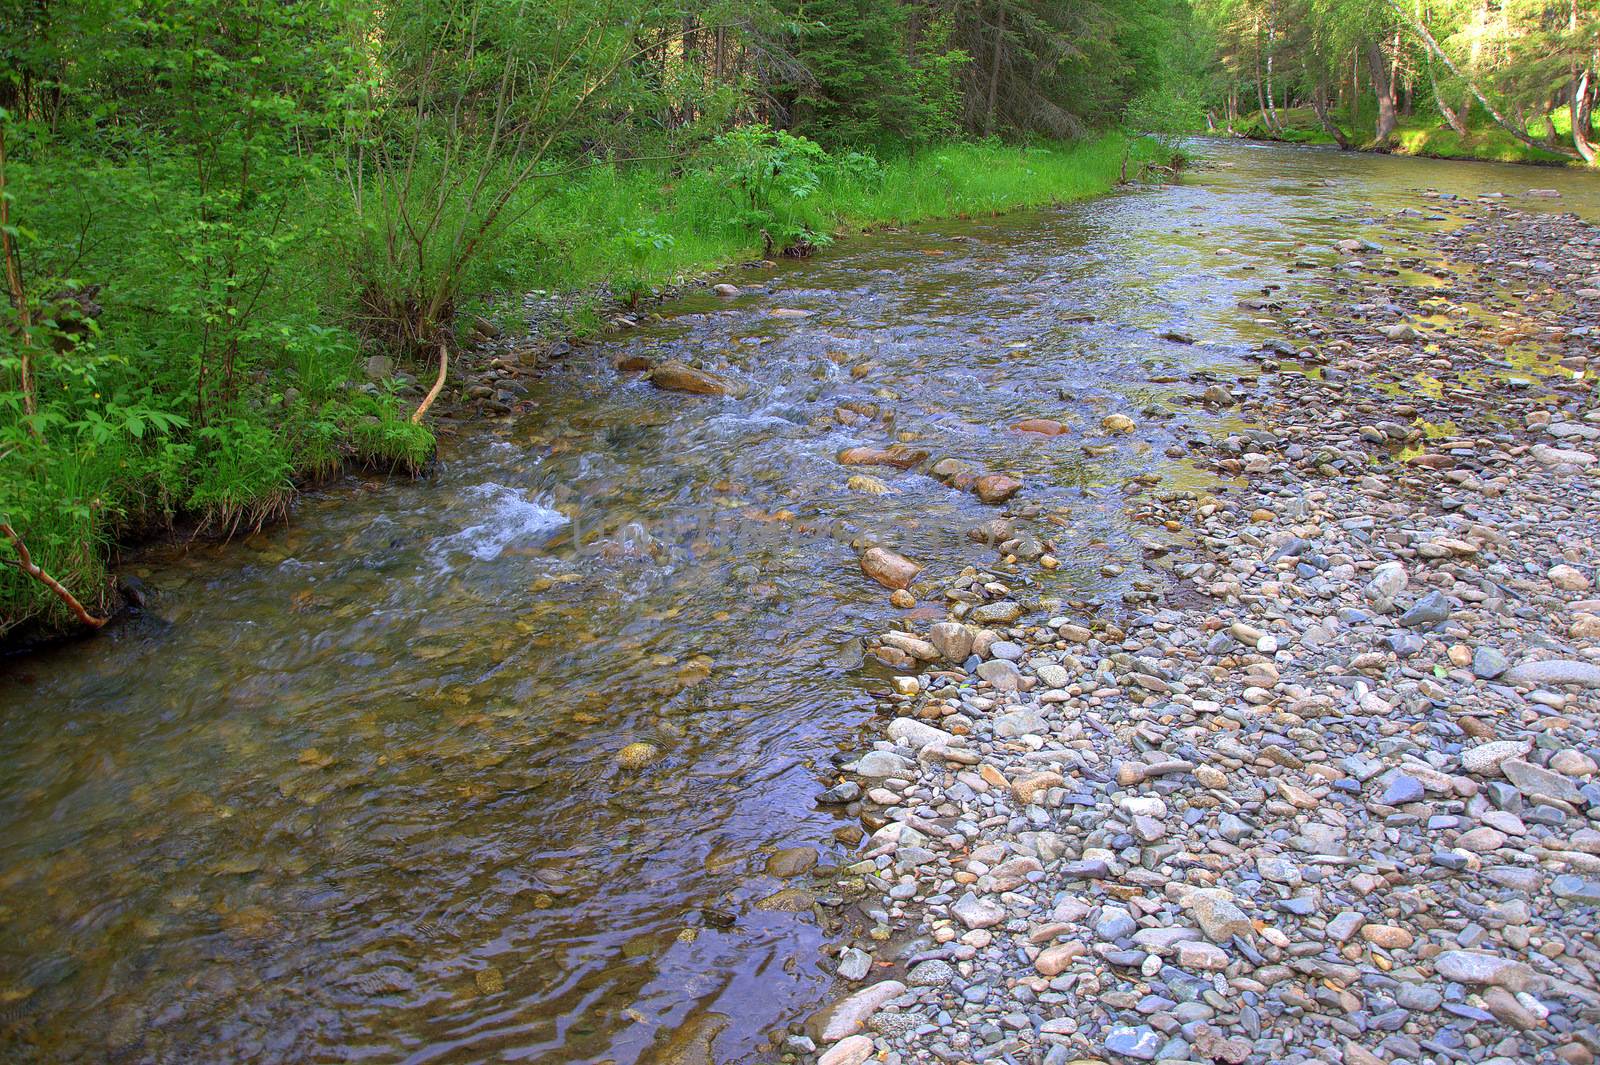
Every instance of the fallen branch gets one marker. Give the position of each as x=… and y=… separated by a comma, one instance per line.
x=438, y=386
x=26, y=564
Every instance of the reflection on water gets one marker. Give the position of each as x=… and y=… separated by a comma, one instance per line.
x=349, y=790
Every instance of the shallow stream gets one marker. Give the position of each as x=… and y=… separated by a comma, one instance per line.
x=348, y=790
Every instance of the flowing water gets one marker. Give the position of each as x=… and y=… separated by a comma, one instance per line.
x=348, y=790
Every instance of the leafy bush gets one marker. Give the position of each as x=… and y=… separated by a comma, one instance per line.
x=766, y=173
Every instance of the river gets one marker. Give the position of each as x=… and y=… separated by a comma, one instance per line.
x=348, y=789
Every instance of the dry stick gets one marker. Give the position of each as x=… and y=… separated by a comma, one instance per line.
x=438, y=386
x=26, y=564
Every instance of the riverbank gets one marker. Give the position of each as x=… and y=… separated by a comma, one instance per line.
x=1426, y=137
x=592, y=256
x=1334, y=791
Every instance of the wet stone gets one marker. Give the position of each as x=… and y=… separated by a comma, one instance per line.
x=1134, y=1043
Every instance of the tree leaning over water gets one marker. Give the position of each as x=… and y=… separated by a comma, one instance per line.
x=1526, y=67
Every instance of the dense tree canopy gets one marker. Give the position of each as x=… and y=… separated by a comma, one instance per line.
x=1528, y=67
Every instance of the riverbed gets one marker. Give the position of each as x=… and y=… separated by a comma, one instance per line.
x=349, y=787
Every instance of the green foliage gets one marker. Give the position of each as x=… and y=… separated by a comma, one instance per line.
x=765, y=174
x=1164, y=116
x=214, y=211
x=858, y=84
x=1428, y=78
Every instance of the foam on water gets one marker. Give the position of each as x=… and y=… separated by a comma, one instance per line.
x=507, y=517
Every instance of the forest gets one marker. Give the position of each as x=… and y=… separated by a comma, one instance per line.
x=1514, y=80
x=213, y=215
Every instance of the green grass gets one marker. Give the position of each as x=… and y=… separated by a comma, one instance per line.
x=1419, y=134
x=644, y=228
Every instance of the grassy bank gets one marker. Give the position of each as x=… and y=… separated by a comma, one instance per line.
x=631, y=230
x=1422, y=135
x=152, y=406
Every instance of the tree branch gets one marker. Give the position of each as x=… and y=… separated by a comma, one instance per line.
x=26, y=564
x=438, y=385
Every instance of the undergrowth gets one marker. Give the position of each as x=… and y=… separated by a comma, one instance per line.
x=1419, y=134
x=162, y=395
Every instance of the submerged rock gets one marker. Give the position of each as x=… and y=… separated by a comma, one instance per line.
x=791, y=861
x=1117, y=423
x=898, y=456
x=681, y=377
x=638, y=755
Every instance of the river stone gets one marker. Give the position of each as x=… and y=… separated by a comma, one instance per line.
x=1002, y=674
x=1533, y=779
x=1573, y=763
x=789, y=900
x=1387, y=582
x=995, y=487
x=952, y=640
x=691, y=1043
x=1018, y=722
x=680, y=377
x=974, y=912
x=897, y=455
x=851, y=1050
x=1164, y=940
x=1487, y=663
x=1115, y=923
x=1212, y=1044
x=791, y=861
x=1401, y=789
x=1479, y=969
x=918, y=734
x=1427, y=612
x=1217, y=914
x=1001, y=613
x=1486, y=758
x=1418, y=997
x=1574, y=888
x=888, y=568
x=931, y=973
x=725, y=289
x=1553, y=671
x=1569, y=578
x=1202, y=957
x=1028, y=787
x=638, y=755
x=1007, y=650
x=1139, y=1043
x=880, y=764
x=1042, y=426
x=1558, y=456
x=1052, y=675
x=1278, y=870
x=846, y=1017
x=1117, y=423
x=1053, y=961
x=854, y=964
